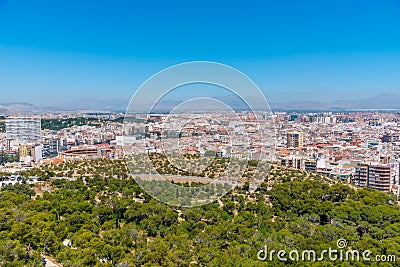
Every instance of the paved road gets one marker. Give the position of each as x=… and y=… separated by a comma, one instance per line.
x=180, y=177
x=49, y=263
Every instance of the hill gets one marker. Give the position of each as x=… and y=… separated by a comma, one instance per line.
x=112, y=222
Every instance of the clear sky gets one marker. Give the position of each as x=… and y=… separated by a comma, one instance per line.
x=53, y=52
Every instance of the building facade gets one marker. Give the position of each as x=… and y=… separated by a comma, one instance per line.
x=23, y=130
x=377, y=176
x=295, y=139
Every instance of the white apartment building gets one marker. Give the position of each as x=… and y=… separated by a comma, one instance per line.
x=23, y=130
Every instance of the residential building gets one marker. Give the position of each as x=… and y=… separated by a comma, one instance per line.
x=295, y=139
x=375, y=176
x=23, y=130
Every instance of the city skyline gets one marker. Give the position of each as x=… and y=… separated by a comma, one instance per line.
x=293, y=51
x=199, y=133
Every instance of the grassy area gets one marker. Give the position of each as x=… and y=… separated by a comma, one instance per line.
x=118, y=168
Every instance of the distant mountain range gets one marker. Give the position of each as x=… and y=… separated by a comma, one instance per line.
x=380, y=102
x=19, y=108
x=383, y=101
x=81, y=106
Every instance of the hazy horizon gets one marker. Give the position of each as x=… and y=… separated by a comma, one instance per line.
x=166, y=104
x=121, y=101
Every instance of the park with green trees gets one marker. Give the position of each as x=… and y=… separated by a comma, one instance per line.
x=108, y=220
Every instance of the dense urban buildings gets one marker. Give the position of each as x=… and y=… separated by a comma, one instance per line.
x=362, y=148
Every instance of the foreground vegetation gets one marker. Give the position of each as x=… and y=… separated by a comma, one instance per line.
x=112, y=222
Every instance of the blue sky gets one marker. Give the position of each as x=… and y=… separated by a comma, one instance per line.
x=53, y=52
